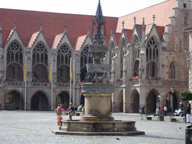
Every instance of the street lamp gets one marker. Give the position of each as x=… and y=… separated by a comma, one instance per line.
x=172, y=92
x=20, y=97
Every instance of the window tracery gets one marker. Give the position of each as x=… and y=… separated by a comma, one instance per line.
x=40, y=55
x=86, y=57
x=40, y=63
x=152, y=58
x=63, y=64
x=14, y=62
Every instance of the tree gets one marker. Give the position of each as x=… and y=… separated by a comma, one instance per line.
x=186, y=95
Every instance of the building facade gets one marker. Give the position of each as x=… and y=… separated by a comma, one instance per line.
x=147, y=50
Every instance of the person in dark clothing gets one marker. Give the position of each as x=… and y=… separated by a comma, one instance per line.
x=70, y=111
x=188, y=113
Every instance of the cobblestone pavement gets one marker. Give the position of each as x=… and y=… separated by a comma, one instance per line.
x=34, y=127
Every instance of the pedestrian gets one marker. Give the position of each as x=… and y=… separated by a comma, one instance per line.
x=80, y=108
x=188, y=113
x=59, y=113
x=70, y=111
x=0, y=107
x=165, y=110
x=157, y=112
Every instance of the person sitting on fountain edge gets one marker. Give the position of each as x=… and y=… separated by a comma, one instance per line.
x=70, y=111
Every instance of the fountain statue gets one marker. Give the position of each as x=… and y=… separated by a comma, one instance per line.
x=97, y=119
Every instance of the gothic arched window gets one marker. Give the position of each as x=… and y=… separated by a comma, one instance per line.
x=152, y=52
x=152, y=58
x=86, y=57
x=136, y=55
x=14, y=62
x=63, y=64
x=136, y=48
x=40, y=63
x=121, y=57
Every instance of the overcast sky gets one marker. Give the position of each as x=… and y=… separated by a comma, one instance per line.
x=115, y=8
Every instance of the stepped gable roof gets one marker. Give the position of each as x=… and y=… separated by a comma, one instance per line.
x=53, y=24
x=162, y=12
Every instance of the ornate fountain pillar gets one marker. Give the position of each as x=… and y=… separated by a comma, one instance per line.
x=98, y=93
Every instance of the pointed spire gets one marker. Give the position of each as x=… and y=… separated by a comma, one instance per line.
x=15, y=25
x=65, y=28
x=143, y=25
x=99, y=22
x=41, y=25
x=154, y=19
x=88, y=30
x=134, y=20
x=143, y=31
x=123, y=24
x=111, y=28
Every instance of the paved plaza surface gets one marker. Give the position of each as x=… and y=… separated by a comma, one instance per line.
x=34, y=127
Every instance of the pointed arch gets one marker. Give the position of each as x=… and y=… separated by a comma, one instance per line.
x=85, y=58
x=13, y=100
x=135, y=101
x=152, y=57
x=64, y=53
x=152, y=50
x=40, y=62
x=39, y=101
x=63, y=98
x=152, y=101
x=14, y=61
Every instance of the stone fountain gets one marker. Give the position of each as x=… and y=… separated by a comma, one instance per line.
x=97, y=119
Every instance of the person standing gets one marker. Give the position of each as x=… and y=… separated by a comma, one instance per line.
x=0, y=107
x=188, y=113
x=165, y=110
x=59, y=113
x=70, y=111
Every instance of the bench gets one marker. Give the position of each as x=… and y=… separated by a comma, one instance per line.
x=160, y=117
x=149, y=117
x=175, y=119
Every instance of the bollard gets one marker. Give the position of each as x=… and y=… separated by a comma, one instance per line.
x=188, y=135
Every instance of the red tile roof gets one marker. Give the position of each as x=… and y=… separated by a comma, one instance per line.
x=28, y=22
x=162, y=12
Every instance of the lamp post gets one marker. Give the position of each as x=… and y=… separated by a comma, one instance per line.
x=172, y=92
x=20, y=98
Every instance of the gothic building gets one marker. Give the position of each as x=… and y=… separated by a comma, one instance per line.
x=147, y=50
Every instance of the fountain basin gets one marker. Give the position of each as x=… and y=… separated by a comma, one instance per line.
x=117, y=127
x=99, y=68
x=97, y=88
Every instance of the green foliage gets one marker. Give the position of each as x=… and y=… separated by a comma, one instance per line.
x=186, y=95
